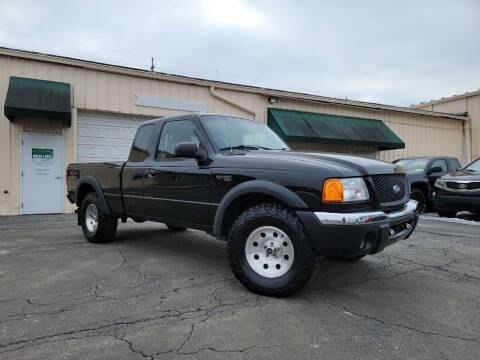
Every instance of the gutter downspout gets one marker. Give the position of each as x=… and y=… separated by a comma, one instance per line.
x=230, y=102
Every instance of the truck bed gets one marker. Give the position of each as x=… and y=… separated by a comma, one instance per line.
x=107, y=174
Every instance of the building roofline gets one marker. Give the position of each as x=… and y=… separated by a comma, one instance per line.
x=446, y=99
x=92, y=65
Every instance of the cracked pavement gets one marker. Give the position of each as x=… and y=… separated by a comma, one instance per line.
x=157, y=294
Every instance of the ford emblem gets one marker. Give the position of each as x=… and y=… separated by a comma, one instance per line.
x=396, y=189
x=462, y=186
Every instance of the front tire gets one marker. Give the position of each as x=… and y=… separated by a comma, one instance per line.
x=96, y=225
x=269, y=251
x=175, y=228
x=447, y=213
x=421, y=198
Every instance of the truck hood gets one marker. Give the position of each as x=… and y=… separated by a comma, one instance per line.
x=416, y=176
x=462, y=176
x=339, y=165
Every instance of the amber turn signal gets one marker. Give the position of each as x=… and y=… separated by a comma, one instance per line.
x=332, y=191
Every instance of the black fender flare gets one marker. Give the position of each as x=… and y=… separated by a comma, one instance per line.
x=255, y=186
x=90, y=180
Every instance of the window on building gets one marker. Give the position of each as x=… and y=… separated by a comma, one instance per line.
x=175, y=132
x=139, y=150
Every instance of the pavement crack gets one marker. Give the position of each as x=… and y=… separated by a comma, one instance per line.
x=407, y=327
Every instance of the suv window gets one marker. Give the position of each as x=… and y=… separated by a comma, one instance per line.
x=439, y=163
x=139, y=150
x=175, y=132
x=453, y=164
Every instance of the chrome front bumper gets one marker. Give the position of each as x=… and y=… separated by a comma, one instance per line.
x=370, y=217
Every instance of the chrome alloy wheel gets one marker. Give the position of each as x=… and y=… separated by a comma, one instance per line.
x=91, y=218
x=269, y=251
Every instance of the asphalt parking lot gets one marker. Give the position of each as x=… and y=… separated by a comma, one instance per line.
x=158, y=294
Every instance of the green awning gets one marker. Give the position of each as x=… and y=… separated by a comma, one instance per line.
x=302, y=126
x=38, y=98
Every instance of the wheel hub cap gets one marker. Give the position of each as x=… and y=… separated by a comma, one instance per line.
x=91, y=218
x=269, y=251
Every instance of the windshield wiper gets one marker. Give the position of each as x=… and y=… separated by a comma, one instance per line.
x=244, y=147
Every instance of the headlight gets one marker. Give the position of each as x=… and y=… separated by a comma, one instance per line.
x=440, y=183
x=344, y=190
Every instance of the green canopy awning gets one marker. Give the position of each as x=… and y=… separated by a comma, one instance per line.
x=302, y=126
x=38, y=98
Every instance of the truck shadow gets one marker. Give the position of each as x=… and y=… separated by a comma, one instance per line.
x=194, y=247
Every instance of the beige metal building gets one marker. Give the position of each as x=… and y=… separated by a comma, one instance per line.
x=60, y=110
x=467, y=104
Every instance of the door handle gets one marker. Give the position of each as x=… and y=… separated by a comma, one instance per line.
x=58, y=177
x=150, y=173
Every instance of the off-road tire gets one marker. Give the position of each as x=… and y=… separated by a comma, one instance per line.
x=447, y=213
x=420, y=196
x=303, y=264
x=107, y=225
x=175, y=228
x=346, y=258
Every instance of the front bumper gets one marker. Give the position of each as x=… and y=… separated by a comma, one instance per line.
x=353, y=234
x=458, y=201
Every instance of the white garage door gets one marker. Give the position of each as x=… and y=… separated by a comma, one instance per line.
x=105, y=138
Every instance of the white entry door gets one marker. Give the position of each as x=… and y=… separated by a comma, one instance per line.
x=42, y=173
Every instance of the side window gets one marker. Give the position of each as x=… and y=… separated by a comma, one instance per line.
x=175, y=132
x=440, y=163
x=453, y=164
x=139, y=150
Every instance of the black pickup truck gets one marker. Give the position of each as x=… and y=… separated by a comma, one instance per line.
x=235, y=179
x=422, y=173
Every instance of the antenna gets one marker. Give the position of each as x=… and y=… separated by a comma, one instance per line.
x=153, y=65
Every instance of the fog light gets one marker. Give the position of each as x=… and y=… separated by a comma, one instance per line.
x=392, y=232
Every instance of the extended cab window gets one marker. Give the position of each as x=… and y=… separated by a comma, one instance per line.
x=175, y=132
x=140, y=146
x=439, y=163
x=453, y=164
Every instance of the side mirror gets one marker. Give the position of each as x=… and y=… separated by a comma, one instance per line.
x=189, y=150
x=435, y=169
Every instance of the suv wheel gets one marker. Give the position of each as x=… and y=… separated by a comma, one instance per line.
x=269, y=252
x=419, y=195
x=447, y=213
x=175, y=228
x=97, y=227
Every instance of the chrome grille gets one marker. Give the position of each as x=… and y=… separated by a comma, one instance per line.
x=384, y=187
x=463, y=185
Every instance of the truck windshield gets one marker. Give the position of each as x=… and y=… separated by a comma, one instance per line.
x=235, y=133
x=413, y=165
x=473, y=167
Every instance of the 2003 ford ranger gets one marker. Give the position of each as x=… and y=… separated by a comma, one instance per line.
x=235, y=179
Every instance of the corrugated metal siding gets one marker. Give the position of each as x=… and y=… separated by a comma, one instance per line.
x=471, y=105
x=99, y=91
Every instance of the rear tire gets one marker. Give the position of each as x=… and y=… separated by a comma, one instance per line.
x=447, y=213
x=96, y=225
x=420, y=196
x=269, y=251
x=175, y=228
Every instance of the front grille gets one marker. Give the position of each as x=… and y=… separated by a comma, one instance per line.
x=384, y=187
x=463, y=186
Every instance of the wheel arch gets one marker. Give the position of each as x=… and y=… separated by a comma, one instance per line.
x=248, y=194
x=89, y=184
x=421, y=185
